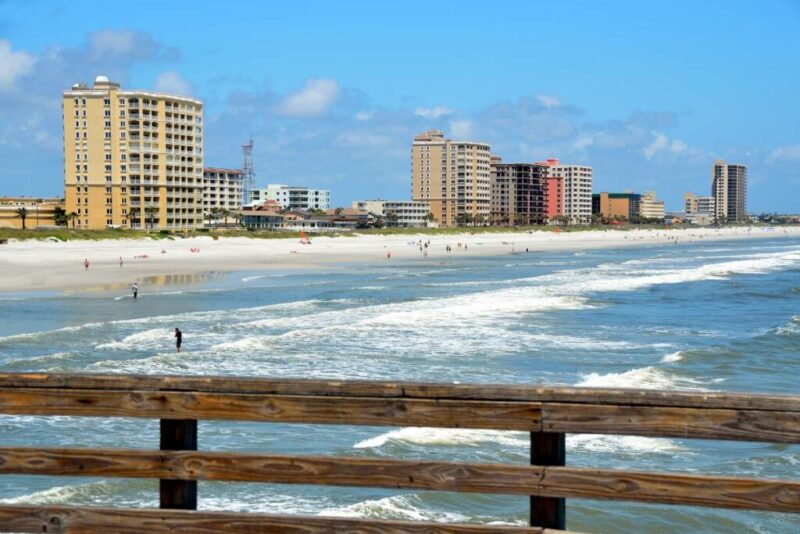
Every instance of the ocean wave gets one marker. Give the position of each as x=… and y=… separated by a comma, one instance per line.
x=400, y=507
x=672, y=357
x=790, y=329
x=644, y=378
x=139, y=340
x=444, y=436
x=626, y=445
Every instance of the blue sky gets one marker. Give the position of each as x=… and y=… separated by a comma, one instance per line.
x=648, y=93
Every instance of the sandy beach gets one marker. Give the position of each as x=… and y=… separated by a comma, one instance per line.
x=46, y=266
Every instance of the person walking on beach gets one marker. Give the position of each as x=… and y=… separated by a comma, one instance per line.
x=120, y=262
x=135, y=289
x=86, y=264
x=178, y=339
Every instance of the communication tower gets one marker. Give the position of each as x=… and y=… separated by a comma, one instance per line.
x=248, y=173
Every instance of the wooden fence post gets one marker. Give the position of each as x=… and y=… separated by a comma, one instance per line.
x=178, y=435
x=547, y=448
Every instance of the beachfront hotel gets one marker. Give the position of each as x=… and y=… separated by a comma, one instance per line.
x=518, y=193
x=616, y=205
x=223, y=189
x=293, y=197
x=650, y=207
x=39, y=212
x=574, y=183
x=729, y=189
x=406, y=213
x=452, y=176
x=132, y=159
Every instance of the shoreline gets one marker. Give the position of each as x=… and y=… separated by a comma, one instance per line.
x=34, y=266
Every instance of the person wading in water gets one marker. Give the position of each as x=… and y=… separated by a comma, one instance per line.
x=178, y=339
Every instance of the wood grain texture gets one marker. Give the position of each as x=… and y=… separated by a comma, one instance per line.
x=541, y=481
x=749, y=425
x=276, y=408
x=696, y=423
x=361, y=388
x=69, y=520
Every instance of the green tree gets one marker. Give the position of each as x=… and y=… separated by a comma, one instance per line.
x=133, y=215
x=60, y=216
x=150, y=211
x=22, y=213
x=72, y=216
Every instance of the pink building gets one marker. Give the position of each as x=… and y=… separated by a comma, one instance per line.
x=554, y=192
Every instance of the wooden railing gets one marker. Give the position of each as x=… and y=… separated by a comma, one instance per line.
x=546, y=413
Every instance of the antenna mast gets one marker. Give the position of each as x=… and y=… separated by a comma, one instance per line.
x=248, y=173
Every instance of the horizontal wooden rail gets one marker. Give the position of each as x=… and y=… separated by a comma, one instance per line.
x=704, y=423
x=547, y=414
x=73, y=520
x=665, y=488
x=416, y=390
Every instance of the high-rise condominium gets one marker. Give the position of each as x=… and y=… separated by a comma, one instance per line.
x=519, y=193
x=223, y=189
x=132, y=159
x=576, y=184
x=729, y=189
x=452, y=176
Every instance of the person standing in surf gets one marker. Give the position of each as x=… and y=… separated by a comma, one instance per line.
x=135, y=289
x=178, y=339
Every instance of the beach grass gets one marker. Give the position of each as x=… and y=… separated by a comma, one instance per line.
x=70, y=234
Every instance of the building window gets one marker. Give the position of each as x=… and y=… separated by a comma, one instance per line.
x=108, y=135
x=107, y=113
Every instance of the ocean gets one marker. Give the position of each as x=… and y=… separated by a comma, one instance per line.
x=703, y=316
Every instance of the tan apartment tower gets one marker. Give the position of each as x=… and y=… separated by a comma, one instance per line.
x=729, y=189
x=132, y=159
x=452, y=176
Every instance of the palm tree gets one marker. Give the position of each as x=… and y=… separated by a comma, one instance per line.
x=72, y=216
x=150, y=210
x=22, y=213
x=225, y=212
x=213, y=216
x=133, y=215
x=59, y=216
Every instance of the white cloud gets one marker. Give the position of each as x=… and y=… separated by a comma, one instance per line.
x=461, y=128
x=785, y=153
x=433, y=113
x=112, y=43
x=661, y=143
x=657, y=145
x=313, y=100
x=549, y=101
x=363, y=116
x=13, y=65
x=173, y=83
x=362, y=138
x=678, y=147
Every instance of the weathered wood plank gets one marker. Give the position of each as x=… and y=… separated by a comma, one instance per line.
x=359, y=388
x=547, y=450
x=178, y=435
x=695, y=423
x=749, y=425
x=68, y=520
x=296, y=409
x=542, y=481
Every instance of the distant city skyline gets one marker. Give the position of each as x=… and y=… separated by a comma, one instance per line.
x=649, y=96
